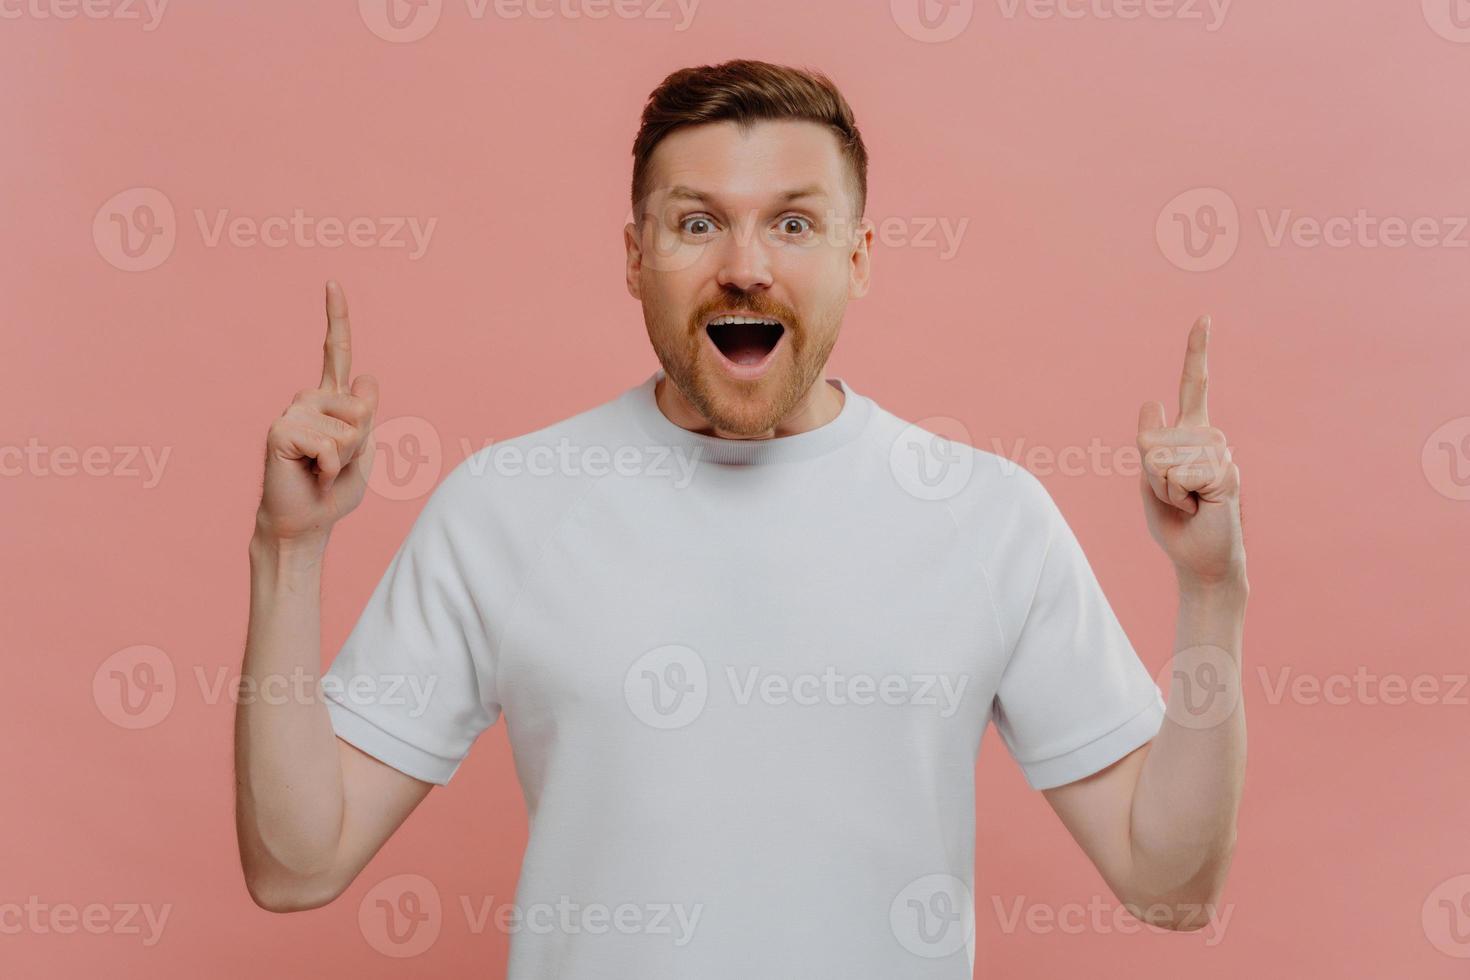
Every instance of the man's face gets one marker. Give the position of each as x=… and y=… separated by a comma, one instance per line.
x=759, y=224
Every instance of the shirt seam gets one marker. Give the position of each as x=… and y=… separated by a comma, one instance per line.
x=1035, y=588
x=1149, y=704
x=989, y=588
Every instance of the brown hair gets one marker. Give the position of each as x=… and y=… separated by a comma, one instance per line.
x=746, y=92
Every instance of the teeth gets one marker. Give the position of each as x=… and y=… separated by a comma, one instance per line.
x=743, y=319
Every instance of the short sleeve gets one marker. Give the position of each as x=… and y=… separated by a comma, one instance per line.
x=1074, y=696
x=413, y=684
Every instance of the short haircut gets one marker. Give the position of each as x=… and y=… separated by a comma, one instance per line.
x=747, y=92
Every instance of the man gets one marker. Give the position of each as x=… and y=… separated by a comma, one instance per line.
x=745, y=640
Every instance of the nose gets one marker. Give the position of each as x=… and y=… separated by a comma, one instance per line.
x=744, y=262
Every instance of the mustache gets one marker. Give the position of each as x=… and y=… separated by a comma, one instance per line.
x=745, y=304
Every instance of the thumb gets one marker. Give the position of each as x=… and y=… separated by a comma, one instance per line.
x=1150, y=416
x=365, y=386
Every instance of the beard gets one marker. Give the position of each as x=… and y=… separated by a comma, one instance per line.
x=745, y=408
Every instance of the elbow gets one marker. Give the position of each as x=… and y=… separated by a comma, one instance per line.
x=274, y=895
x=1187, y=907
x=1181, y=911
x=1175, y=916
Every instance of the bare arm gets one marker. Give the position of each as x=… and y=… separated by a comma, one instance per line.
x=310, y=809
x=1160, y=823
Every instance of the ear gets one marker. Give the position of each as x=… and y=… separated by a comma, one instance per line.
x=861, y=270
x=634, y=248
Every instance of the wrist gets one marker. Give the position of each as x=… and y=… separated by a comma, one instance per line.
x=266, y=544
x=1230, y=586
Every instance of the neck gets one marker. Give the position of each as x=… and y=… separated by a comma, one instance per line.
x=820, y=405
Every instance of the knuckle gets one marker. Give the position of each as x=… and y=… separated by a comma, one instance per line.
x=357, y=411
x=341, y=429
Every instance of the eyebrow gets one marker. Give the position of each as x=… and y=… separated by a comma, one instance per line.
x=683, y=192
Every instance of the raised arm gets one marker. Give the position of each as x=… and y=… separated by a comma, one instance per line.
x=1160, y=823
x=310, y=809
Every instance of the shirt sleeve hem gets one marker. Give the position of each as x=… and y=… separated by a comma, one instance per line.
x=403, y=756
x=1099, y=753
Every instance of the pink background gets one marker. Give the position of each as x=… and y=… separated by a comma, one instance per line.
x=1059, y=140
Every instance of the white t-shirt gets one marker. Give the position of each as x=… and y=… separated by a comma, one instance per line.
x=744, y=683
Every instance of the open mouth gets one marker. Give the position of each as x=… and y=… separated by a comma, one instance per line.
x=745, y=340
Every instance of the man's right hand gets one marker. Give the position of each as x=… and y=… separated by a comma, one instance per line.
x=320, y=451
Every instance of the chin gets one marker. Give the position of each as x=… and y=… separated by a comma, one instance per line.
x=743, y=408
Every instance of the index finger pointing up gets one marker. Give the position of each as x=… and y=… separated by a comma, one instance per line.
x=1193, y=407
x=337, y=351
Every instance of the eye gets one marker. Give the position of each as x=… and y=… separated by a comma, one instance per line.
x=795, y=225
x=697, y=224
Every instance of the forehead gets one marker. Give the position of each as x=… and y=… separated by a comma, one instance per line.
x=762, y=162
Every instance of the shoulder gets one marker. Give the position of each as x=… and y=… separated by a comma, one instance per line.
x=534, y=477
x=936, y=460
